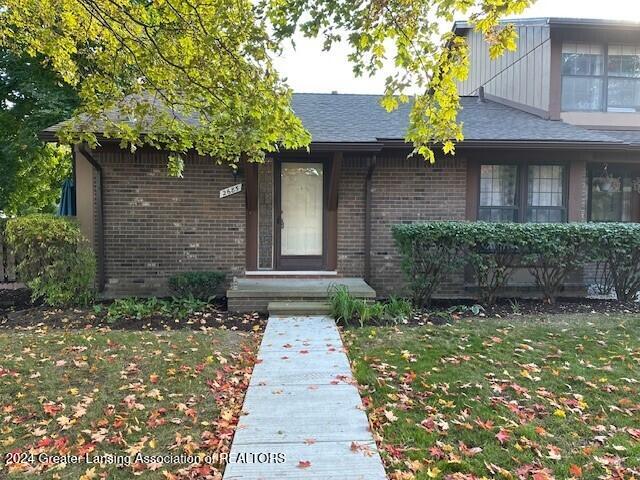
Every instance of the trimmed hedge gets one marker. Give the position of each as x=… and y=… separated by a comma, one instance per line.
x=53, y=258
x=200, y=285
x=551, y=252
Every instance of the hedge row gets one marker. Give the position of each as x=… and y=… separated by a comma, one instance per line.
x=551, y=252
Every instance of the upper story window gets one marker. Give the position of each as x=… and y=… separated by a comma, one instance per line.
x=582, y=76
x=598, y=77
x=623, y=72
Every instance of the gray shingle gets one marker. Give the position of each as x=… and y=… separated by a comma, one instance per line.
x=360, y=118
x=353, y=118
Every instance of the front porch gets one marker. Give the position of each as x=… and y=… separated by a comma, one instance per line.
x=290, y=294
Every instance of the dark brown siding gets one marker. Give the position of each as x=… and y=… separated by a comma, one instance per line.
x=156, y=225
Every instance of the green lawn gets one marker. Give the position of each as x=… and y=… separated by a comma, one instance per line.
x=522, y=398
x=119, y=392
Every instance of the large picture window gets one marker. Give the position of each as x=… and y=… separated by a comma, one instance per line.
x=599, y=77
x=522, y=193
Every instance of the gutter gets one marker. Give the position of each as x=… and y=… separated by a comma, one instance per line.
x=100, y=214
x=368, y=194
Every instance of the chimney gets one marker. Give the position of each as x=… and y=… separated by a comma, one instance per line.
x=481, y=98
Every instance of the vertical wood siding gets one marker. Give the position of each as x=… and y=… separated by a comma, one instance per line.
x=526, y=82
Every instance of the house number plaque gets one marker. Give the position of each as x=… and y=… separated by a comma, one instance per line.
x=225, y=192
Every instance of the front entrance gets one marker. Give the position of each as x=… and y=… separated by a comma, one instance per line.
x=300, y=215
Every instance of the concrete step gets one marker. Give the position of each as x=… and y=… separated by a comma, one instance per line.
x=298, y=308
x=255, y=294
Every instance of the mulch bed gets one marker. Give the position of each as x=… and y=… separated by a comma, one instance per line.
x=214, y=316
x=440, y=311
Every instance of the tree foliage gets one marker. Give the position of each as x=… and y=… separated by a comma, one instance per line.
x=32, y=97
x=194, y=74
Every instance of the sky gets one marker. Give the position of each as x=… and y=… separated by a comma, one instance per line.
x=309, y=69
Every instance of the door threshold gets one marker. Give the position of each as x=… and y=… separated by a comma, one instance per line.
x=306, y=273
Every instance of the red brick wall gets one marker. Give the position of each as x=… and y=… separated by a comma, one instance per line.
x=156, y=225
x=404, y=191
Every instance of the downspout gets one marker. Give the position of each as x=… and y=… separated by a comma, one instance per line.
x=368, y=194
x=100, y=214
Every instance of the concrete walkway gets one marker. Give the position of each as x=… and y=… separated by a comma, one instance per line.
x=302, y=403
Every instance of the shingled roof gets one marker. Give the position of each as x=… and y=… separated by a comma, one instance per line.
x=360, y=118
x=357, y=119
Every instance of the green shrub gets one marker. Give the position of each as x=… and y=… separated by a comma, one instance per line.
x=54, y=260
x=345, y=308
x=551, y=252
x=430, y=252
x=141, y=308
x=492, y=253
x=200, y=285
x=554, y=251
x=398, y=309
x=342, y=304
x=619, y=250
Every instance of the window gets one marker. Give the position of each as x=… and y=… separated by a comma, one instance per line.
x=582, y=76
x=611, y=195
x=623, y=86
x=600, y=77
x=541, y=198
x=498, y=193
x=545, y=199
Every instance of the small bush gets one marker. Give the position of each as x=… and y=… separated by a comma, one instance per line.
x=342, y=304
x=141, y=308
x=201, y=285
x=54, y=260
x=430, y=252
x=398, y=309
x=619, y=249
x=345, y=308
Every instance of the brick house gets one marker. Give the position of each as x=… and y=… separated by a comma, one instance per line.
x=552, y=134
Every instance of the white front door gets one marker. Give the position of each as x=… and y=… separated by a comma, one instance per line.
x=302, y=186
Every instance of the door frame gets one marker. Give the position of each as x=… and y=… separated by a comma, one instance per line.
x=299, y=262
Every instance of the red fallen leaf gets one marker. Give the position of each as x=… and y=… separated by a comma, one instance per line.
x=634, y=432
x=153, y=378
x=304, y=464
x=86, y=448
x=45, y=442
x=304, y=351
x=543, y=474
x=488, y=425
x=284, y=358
x=51, y=408
x=436, y=452
x=575, y=470
x=309, y=441
x=428, y=424
x=287, y=345
x=503, y=436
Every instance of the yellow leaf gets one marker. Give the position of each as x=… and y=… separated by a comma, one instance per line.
x=433, y=472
